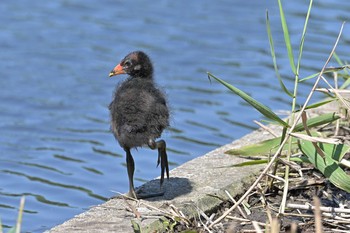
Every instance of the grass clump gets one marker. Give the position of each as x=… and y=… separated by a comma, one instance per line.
x=301, y=140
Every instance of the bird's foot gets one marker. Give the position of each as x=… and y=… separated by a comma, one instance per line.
x=164, y=165
x=132, y=194
x=162, y=159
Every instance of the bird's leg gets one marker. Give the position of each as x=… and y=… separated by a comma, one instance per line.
x=162, y=157
x=131, y=168
x=163, y=161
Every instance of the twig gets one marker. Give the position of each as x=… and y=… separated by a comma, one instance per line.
x=238, y=218
x=318, y=217
x=238, y=207
x=325, y=90
x=204, y=225
x=201, y=213
x=322, y=208
x=337, y=230
x=293, y=228
x=345, y=162
x=332, y=217
x=269, y=215
x=298, y=215
x=166, y=213
x=266, y=128
x=256, y=227
x=265, y=204
x=309, y=138
x=132, y=208
x=176, y=211
x=276, y=177
x=292, y=164
x=275, y=226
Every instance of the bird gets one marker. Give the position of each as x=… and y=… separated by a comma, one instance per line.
x=139, y=113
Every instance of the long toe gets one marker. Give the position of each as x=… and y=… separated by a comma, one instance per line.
x=164, y=166
x=132, y=194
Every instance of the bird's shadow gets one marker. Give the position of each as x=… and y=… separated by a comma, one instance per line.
x=172, y=187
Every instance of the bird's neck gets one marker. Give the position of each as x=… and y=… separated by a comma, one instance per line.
x=141, y=78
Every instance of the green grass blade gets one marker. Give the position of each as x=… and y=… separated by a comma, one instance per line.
x=267, y=112
x=327, y=70
x=20, y=215
x=318, y=104
x=317, y=121
x=301, y=159
x=341, y=63
x=287, y=38
x=337, y=58
x=309, y=77
x=301, y=47
x=337, y=151
x=328, y=166
x=262, y=148
x=347, y=82
x=273, y=54
x=250, y=163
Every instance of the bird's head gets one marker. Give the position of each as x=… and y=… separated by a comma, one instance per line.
x=135, y=64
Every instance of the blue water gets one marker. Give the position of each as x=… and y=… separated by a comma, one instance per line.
x=55, y=144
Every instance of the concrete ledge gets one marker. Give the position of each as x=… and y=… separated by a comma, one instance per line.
x=199, y=183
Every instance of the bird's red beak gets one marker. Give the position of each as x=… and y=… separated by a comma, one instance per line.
x=117, y=70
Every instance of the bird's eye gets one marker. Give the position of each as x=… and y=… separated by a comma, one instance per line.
x=127, y=63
